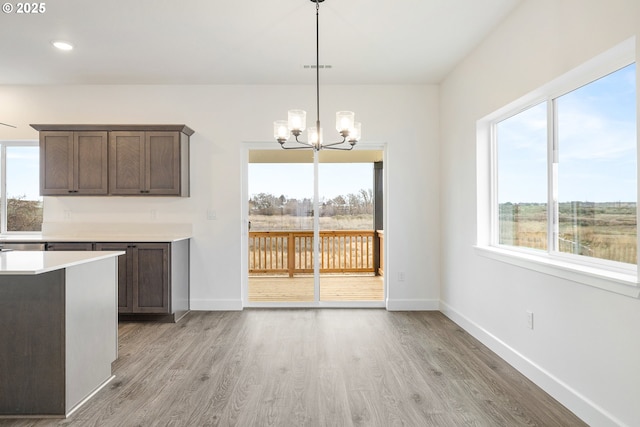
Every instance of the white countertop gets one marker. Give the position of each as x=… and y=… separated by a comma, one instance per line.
x=38, y=262
x=135, y=238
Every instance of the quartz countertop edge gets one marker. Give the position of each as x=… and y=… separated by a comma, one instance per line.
x=141, y=238
x=38, y=262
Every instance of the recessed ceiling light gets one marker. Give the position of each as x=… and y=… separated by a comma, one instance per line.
x=62, y=45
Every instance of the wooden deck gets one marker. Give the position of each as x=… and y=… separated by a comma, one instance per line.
x=300, y=288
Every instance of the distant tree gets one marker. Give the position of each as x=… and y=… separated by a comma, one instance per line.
x=291, y=207
x=351, y=204
x=354, y=203
x=305, y=208
x=339, y=201
x=367, y=200
x=264, y=203
x=24, y=215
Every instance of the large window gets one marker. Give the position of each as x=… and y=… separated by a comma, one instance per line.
x=21, y=202
x=565, y=173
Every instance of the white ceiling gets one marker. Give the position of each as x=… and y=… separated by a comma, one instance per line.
x=243, y=42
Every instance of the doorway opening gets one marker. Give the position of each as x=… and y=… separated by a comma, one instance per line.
x=280, y=223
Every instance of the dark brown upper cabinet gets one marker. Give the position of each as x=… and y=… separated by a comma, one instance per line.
x=73, y=163
x=132, y=160
x=146, y=163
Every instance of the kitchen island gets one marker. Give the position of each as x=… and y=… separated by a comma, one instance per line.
x=59, y=334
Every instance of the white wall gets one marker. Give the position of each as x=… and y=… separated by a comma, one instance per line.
x=403, y=117
x=585, y=346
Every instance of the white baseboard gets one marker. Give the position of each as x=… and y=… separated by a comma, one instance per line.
x=391, y=305
x=413, y=304
x=215, y=305
x=587, y=410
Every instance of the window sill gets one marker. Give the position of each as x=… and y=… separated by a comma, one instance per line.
x=613, y=281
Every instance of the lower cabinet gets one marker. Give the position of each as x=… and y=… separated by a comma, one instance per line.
x=143, y=282
x=153, y=278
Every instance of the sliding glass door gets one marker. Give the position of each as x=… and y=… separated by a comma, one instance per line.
x=298, y=198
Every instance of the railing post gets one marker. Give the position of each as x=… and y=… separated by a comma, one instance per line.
x=379, y=251
x=378, y=220
x=291, y=254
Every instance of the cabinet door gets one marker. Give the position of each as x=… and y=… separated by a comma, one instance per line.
x=73, y=163
x=90, y=163
x=126, y=163
x=69, y=246
x=56, y=163
x=125, y=276
x=151, y=278
x=162, y=161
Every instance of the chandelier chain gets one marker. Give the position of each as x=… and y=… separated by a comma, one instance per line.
x=318, y=65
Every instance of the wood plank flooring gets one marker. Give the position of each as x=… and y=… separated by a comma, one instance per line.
x=311, y=367
x=332, y=288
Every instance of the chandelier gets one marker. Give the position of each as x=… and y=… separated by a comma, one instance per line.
x=345, y=124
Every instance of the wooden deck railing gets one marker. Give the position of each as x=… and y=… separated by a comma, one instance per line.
x=291, y=252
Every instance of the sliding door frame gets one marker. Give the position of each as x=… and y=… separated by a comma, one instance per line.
x=246, y=147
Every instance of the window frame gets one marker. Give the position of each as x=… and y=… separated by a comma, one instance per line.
x=3, y=185
x=613, y=276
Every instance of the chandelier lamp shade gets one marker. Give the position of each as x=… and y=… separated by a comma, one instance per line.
x=295, y=125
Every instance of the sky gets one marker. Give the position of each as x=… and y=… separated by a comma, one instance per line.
x=295, y=180
x=23, y=172
x=596, y=139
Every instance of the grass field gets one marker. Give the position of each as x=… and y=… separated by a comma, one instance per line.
x=600, y=230
x=288, y=222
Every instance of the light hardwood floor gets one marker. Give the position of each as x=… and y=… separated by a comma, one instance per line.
x=311, y=367
x=300, y=288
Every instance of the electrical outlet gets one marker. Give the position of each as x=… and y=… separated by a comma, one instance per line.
x=211, y=215
x=154, y=214
x=67, y=214
x=530, y=319
x=401, y=276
